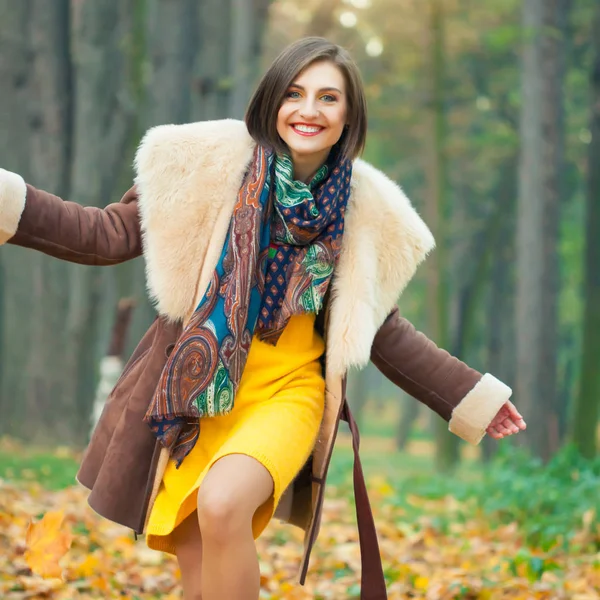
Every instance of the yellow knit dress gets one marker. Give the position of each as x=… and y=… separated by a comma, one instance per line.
x=276, y=417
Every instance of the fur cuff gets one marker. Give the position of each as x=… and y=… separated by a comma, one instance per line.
x=476, y=410
x=12, y=203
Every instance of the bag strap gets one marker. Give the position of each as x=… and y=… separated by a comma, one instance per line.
x=372, y=581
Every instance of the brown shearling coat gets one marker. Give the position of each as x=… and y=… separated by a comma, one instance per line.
x=176, y=215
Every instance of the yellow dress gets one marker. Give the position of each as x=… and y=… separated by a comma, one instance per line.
x=275, y=419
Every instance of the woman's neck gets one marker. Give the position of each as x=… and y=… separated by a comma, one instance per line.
x=306, y=167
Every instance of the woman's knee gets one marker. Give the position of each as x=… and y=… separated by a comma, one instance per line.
x=221, y=514
x=234, y=487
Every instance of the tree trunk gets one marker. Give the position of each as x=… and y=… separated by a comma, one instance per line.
x=14, y=155
x=35, y=117
x=46, y=395
x=15, y=72
x=227, y=61
x=173, y=40
x=408, y=418
x=242, y=45
x=500, y=307
x=248, y=20
x=447, y=449
x=552, y=112
x=212, y=81
x=588, y=401
x=104, y=118
x=530, y=234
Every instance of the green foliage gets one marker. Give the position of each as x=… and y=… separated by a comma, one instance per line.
x=50, y=471
x=502, y=38
x=534, y=566
x=549, y=503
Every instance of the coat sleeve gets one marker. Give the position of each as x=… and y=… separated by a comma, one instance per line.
x=462, y=396
x=35, y=219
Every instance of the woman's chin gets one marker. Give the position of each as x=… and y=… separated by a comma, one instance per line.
x=307, y=150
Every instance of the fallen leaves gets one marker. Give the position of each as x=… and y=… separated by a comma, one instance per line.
x=470, y=561
x=47, y=542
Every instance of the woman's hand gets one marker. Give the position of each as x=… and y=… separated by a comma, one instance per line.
x=507, y=422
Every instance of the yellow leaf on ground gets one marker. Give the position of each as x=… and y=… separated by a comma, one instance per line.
x=47, y=542
x=88, y=566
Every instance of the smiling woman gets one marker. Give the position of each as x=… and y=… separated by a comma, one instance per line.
x=313, y=116
x=276, y=257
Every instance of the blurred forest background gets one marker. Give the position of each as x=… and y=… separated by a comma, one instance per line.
x=488, y=115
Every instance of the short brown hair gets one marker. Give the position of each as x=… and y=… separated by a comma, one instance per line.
x=261, y=115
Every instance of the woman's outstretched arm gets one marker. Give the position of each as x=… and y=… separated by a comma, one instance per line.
x=472, y=403
x=35, y=219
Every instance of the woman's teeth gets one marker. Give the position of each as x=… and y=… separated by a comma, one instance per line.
x=306, y=129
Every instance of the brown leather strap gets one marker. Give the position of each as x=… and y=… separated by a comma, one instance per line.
x=372, y=581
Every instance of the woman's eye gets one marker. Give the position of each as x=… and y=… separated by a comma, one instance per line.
x=328, y=98
x=293, y=95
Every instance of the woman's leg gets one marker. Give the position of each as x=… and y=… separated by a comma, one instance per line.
x=235, y=486
x=188, y=545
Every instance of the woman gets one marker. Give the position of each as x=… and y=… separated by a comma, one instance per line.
x=275, y=258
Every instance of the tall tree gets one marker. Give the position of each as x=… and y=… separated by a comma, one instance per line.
x=14, y=156
x=530, y=230
x=587, y=406
x=228, y=56
x=241, y=63
x=37, y=123
x=49, y=138
x=173, y=38
x=446, y=454
x=103, y=121
x=553, y=58
x=212, y=81
x=540, y=185
x=500, y=306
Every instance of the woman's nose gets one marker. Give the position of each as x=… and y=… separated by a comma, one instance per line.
x=309, y=108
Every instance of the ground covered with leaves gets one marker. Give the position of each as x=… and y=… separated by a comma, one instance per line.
x=520, y=537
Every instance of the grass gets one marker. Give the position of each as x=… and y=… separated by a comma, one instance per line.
x=56, y=468
x=390, y=464
x=381, y=458
x=57, y=472
x=53, y=468
x=51, y=471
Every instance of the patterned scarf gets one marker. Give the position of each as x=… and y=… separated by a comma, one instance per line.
x=277, y=261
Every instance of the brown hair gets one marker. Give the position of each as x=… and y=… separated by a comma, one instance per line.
x=261, y=115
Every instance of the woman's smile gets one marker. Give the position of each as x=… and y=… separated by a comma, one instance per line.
x=304, y=129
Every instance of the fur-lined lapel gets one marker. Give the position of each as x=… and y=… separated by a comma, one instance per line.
x=188, y=177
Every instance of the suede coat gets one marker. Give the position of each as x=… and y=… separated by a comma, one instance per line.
x=177, y=215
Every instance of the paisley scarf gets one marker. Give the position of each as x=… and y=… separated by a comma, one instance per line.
x=278, y=258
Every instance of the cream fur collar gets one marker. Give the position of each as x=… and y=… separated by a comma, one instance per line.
x=188, y=177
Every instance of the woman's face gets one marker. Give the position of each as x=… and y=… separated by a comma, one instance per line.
x=313, y=114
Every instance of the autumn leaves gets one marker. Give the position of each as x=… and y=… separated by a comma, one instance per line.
x=48, y=541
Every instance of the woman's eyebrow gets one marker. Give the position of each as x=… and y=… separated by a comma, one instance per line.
x=325, y=89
